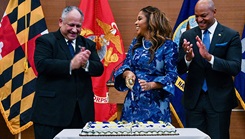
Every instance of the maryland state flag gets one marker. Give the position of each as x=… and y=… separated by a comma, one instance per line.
x=99, y=25
x=240, y=78
x=22, y=23
x=185, y=21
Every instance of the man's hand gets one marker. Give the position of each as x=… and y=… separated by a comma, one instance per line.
x=187, y=46
x=80, y=59
x=202, y=49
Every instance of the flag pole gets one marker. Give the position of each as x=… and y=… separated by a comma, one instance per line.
x=176, y=115
x=19, y=135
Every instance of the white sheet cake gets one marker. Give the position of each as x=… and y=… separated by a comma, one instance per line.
x=119, y=128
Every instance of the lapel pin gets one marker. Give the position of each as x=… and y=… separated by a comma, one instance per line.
x=219, y=34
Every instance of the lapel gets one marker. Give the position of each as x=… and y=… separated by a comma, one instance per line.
x=198, y=57
x=197, y=32
x=62, y=44
x=80, y=42
x=218, y=33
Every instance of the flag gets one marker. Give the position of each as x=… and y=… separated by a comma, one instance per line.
x=99, y=25
x=21, y=24
x=240, y=78
x=185, y=21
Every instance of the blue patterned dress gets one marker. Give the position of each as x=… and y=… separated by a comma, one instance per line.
x=152, y=105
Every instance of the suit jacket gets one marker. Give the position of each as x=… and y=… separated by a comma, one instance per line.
x=226, y=49
x=58, y=91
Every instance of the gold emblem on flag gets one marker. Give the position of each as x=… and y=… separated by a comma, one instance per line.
x=104, y=40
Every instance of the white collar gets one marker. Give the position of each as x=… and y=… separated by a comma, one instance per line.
x=212, y=28
x=73, y=41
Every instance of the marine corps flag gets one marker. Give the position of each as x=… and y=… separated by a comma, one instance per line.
x=185, y=21
x=22, y=23
x=99, y=25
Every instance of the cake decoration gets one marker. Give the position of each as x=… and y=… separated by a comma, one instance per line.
x=122, y=128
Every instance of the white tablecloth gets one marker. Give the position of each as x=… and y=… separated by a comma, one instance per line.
x=184, y=133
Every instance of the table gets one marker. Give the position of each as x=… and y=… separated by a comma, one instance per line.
x=184, y=133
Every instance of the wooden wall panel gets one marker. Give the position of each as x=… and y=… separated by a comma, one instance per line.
x=229, y=13
x=126, y=11
x=4, y=131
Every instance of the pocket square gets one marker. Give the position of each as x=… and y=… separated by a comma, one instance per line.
x=221, y=44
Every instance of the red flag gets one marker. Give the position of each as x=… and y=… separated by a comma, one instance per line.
x=22, y=23
x=99, y=25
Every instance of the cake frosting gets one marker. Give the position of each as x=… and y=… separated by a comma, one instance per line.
x=118, y=128
x=106, y=128
x=154, y=128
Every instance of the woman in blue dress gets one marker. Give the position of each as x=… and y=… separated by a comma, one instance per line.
x=149, y=71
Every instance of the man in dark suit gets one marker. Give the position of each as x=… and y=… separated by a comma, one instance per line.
x=64, y=97
x=209, y=94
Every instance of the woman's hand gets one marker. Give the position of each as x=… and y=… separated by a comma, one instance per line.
x=145, y=86
x=129, y=77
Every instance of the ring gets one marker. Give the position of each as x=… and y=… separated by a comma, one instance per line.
x=187, y=51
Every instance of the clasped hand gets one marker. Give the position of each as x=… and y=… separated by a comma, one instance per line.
x=80, y=59
x=130, y=80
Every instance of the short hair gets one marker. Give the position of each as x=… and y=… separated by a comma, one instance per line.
x=70, y=8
